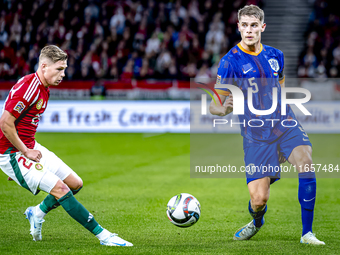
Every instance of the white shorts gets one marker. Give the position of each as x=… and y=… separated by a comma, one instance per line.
x=32, y=175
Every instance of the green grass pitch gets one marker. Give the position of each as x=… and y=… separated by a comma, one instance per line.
x=128, y=180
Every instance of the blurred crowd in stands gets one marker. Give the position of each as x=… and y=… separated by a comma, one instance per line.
x=321, y=55
x=126, y=39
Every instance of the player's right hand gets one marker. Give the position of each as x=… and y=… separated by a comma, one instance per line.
x=227, y=106
x=34, y=155
x=282, y=159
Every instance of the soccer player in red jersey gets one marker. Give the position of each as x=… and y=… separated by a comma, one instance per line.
x=31, y=165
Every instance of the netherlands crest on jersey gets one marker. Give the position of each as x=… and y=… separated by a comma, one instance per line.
x=274, y=64
x=19, y=107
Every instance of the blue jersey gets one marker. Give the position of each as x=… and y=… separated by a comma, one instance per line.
x=262, y=72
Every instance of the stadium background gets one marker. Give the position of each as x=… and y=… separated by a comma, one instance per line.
x=129, y=70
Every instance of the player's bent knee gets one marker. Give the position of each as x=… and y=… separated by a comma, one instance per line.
x=77, y=185
x=258, y=202
x=304, y=164
x=80, y=184
x=78, y=188
x=73, y=181
x=77, y=182
x=59, y=190
x=302, y=156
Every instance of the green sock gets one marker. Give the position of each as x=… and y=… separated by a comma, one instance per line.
x=50, y=203
x=78, y=212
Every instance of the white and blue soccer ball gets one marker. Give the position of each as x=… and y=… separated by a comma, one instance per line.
x=183, y=210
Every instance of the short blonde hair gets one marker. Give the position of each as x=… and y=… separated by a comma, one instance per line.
x=53, y=53
x=251, y=10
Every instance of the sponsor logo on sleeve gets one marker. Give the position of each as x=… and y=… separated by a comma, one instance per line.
x=218, y=80
x=19, y=107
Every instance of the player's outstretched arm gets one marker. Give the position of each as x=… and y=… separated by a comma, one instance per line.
x=7, y=125
x=224, y=109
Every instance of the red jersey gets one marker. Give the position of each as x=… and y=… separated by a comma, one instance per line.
x=27, y=101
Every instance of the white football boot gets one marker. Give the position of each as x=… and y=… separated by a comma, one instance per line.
x=246, y=232
x=114, y=240
x=310, y=238
x=35, y=223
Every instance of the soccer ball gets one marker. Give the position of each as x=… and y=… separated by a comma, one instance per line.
x=184, y=210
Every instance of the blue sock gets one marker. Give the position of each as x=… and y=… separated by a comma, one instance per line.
x=307, y=195
x=257, y=216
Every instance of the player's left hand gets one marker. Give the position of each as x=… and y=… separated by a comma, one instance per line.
x=282, y=159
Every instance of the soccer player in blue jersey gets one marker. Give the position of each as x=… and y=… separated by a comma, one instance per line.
x=251, y=64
